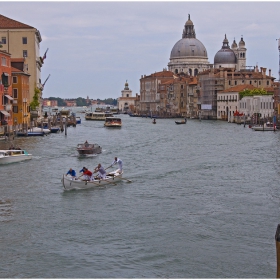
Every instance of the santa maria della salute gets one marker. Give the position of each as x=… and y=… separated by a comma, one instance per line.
x=189, y=55
x=193, y=87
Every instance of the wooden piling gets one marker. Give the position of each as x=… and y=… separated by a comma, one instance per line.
x=277, y=241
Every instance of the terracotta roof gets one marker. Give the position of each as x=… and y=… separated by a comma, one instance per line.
x=7, y=23
x=17, y=59
x=162, y=74
x=239, y=88
x=193, y=81
x=13, y=69
x=168, y=82
x=269, y=89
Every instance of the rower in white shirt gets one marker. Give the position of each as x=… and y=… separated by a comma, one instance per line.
x=119, y=161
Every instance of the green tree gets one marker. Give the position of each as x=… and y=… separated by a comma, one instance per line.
x=35, y=101
x=81, y=101
x=253, y=92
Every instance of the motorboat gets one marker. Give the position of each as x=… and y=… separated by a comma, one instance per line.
x=88, y=149
x=268, y=126
x=39, y=129
x=70, y=183
x=13, y=155
x=113, y=122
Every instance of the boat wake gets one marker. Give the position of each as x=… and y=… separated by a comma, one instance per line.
x=87, y=156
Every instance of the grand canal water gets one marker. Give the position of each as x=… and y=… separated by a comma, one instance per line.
x=204, y=203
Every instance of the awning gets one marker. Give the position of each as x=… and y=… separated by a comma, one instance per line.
x=5, y=113
x=10, y=97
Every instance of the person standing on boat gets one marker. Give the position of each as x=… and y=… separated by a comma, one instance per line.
x=101, y=171
x=119, y=162
x=71, y=172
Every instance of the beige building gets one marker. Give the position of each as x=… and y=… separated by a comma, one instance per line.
x=126, y=103
x=23, y=41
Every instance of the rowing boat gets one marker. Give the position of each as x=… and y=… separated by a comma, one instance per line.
x=70, y=183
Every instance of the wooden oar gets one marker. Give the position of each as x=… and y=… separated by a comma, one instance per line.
x=129, y=181
x=108, y=167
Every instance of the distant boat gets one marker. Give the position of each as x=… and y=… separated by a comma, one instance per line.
x=93, y=116
x=113, y=122
x=78, y=120
x=12, y=156
x=88, y=149
x=265, y=127
x=181, y=122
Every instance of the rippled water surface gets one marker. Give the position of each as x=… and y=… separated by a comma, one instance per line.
x=204, y=203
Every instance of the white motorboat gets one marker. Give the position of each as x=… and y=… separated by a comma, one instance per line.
x=39, y=129
x=11, y=156
x=70, y=183
x=265, y=127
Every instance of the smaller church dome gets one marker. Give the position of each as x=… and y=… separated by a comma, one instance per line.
x=234, y=45
x=241, y=43
x=225, y=55
x=126, y=85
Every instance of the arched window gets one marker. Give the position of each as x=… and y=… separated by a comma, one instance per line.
x=176, y=71
x=195, y=72
x=190, y=71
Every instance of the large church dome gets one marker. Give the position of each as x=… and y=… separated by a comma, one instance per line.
x=188, y=47
x=225, y=57
x=188, y=55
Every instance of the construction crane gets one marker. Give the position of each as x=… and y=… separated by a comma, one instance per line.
x=42, y=87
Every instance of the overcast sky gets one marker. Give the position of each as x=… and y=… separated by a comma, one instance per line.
x=94, y=47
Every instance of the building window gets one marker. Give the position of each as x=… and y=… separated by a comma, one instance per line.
x=14, y=80
x=4, y=61
x=267, y=83
x=15, y=93
x=235, y=82
x=24, y=53
x=15, y=109
x=24, y=40
x=3, y=40
x=229, y=82
x=127, y=95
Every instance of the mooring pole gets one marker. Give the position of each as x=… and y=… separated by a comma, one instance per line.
x=277, y=241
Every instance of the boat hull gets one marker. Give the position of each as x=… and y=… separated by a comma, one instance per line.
x=182, y=122
x=260, y=128
x=89, y=150
x=70, y=184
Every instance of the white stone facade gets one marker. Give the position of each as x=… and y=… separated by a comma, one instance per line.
x=126, y=101
x=260, y=104
x=227, y=105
